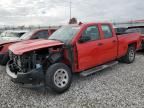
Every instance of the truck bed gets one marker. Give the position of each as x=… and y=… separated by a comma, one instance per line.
x=125, y=39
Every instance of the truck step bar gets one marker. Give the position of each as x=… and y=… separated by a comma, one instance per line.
x=31, y=86
x=96, y=69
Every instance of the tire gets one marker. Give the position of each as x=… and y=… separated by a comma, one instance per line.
x=130, y=56
x=58, y=77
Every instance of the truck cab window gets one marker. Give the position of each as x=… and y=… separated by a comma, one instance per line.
x=92, y=32
x=107, y=31
x=41, y=35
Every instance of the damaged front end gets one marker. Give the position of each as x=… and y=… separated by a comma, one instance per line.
x=30, y=68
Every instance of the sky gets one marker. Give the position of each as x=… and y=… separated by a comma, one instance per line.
x=56, y=12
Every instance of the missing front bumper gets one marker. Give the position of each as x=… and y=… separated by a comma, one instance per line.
x=34, y=76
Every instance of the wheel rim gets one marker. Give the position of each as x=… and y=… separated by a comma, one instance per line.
x=61, y=78
x=131, y=55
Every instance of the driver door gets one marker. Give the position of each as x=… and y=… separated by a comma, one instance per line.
x=89, y=52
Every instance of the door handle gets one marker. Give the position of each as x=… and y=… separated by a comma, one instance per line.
x=100, y=44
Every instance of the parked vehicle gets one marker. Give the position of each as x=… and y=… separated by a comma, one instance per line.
x=12, y=34
x=137, y=29
x=7, y=38
x=83, y=49
x=16, y=37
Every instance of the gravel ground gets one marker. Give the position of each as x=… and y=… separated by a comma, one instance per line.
x=121, y=86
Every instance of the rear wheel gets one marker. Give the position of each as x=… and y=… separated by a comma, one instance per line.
x=130, y=56
x=58, y=77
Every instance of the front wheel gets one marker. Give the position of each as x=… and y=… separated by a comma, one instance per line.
x=130, y=56
x=58, y=77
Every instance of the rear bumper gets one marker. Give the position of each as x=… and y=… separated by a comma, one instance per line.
x=34, y=76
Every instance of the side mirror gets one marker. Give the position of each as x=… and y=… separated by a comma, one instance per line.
x=84, y=39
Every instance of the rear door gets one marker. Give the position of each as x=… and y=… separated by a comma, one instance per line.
x=89, y=52
x=109, y=43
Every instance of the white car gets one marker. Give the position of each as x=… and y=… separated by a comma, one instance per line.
x=12, y=34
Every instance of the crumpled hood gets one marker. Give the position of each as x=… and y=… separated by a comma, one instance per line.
x=8, y=41
x=30, y=45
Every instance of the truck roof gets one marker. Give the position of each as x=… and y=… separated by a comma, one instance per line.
x=90, y=23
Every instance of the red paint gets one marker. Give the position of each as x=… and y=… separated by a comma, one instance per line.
x=138, y=29
x=29, y=45
x=88, y=54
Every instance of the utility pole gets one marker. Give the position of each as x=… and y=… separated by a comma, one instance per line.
x=70, y=8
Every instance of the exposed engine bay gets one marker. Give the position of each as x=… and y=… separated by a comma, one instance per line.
x=35, y=59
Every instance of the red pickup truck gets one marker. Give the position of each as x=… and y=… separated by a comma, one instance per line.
x=84, y=49
x=29, y=35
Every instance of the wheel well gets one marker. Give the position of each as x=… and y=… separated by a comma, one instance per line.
x=133, y=44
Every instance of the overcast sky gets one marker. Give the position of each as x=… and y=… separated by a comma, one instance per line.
x=51, y=12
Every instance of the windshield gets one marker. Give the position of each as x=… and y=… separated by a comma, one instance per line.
x=65, y=34
x=27, y=35
x=11, y=35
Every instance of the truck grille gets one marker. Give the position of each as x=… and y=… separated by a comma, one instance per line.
x=16, y=59
x=23, y=63
x=26, y=62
